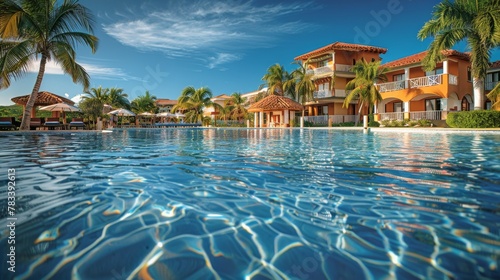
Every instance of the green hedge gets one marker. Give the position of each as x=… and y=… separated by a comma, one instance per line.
x=474, y=119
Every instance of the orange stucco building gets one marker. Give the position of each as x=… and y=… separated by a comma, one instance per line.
x=413, y=93
x=331, y=67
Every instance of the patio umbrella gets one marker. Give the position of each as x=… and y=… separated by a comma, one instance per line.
x=122, y=112
x=180, y=115
x=146, y=114
x=61, y=107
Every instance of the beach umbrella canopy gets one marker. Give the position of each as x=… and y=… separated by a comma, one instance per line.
x=121, y=112
x=60, y=107
x=146, y=114
x=180, y=115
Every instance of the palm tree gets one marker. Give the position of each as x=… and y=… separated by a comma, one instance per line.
x=99, y=93
x=363, y=87
x=276, y=77
x=117, y=98
x=494, y=96
x=44, y=29
x=475, y=21
x=238, y=110
x=144, y=103
x=302, y=85
x=193, y=101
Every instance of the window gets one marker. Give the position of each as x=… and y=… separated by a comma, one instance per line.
x=398, y=77
x=465, y=104
x=373, y=59
x=397, y=107
x=322, y=110
x=433, y=105
x=322, y=63
x=436, y=71
x=469, y=75
x=491, y=80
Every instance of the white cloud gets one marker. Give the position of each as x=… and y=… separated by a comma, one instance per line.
x=98, y=71
x=206, y=29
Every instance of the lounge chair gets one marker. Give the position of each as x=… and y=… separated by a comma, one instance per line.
x=7, y=123
x=77, y=123
x=35, y=123
x=52, y=123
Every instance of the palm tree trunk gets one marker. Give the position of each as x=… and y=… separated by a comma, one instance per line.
x=359, y=114
x=478, y=85
x=25, y=123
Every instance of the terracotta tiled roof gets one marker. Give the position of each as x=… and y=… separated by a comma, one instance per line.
x=222, y=96
x=495, y=64
x=340, y=46
x=275, y=102
x=43, y=98
x=417, y=58
x=165, y=102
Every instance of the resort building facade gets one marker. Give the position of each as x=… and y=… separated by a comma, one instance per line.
x=165, y=105
x=331, y=69
x=413, y=93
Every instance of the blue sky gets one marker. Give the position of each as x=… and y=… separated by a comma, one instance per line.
x=165, y=45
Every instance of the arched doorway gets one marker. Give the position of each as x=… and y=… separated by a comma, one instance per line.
x=465, y=105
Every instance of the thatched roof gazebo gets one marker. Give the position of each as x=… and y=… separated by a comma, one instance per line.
x=44, y=98
x=279, y=109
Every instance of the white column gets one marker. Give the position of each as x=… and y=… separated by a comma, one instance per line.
x=255, y=119
x=287, y=117
x=445, y=67
x=407, y=77
x=261, y=119
x=406, y=106
x=268, y=118
x=375, y=108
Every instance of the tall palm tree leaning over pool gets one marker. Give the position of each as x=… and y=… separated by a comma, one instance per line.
x=475, y=21
x=192, y=101
x=31, y=29
x=363, y=86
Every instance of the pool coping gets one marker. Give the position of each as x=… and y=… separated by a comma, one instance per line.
x=370, y=129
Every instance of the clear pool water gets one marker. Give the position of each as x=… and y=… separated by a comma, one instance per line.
x=253, y=204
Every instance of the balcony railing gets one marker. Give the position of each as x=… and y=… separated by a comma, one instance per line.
x=392, y=86
x=490, y=85
x=426, y=115
x=320, y=70
x=417, y=83
x=341, y=92
x=343, y=68
x=322, y=94
x=392, y=116
x=425, y=81
x=323, y=120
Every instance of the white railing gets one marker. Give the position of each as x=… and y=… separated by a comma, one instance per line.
x=452, y=79
x=490, y=85
x=392, y=86
x=392, y=116
x=322, y=94
x=343, y=68
x=426, y=115
x=323, y=120
x=341, y=92
x=320, y=70
x=425, y=81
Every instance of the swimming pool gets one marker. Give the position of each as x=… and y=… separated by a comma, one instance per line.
x=253, y=203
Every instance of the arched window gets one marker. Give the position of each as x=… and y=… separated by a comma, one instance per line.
x=465, y=104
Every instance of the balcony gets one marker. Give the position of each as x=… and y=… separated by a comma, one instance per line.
x=320, y=71
x=341, y=92
x=417, y=83
x=334, y=119
x=392, y=86
x=322, y=94
x=343, y=68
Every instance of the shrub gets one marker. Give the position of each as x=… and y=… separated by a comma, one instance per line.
x=373, y=124
x=474, y=119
